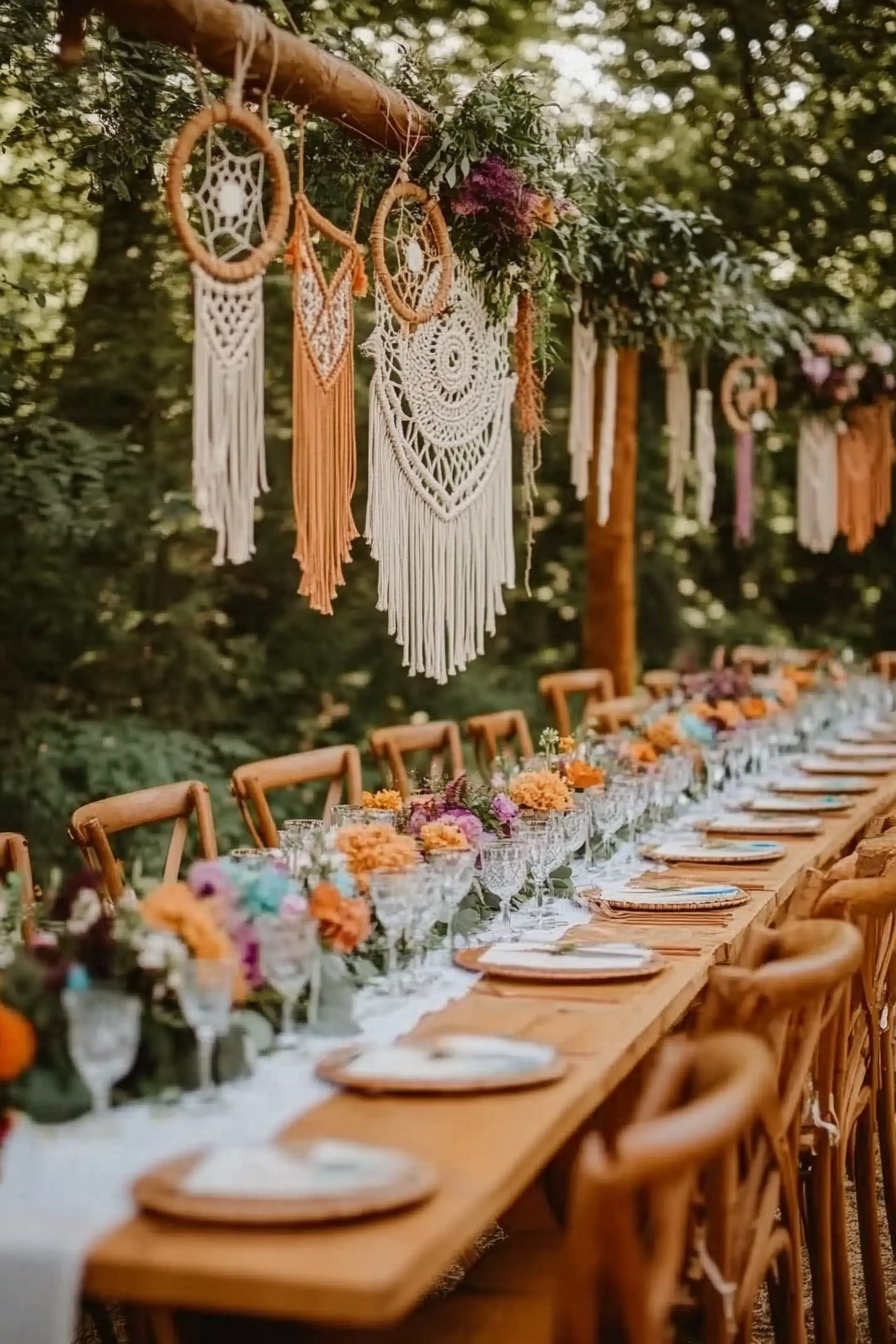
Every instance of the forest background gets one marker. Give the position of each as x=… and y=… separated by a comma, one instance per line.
x=126, y=658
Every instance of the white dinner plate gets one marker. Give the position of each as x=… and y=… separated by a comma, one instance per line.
x=716, y=851
x=826, y=784
x=829, y=765
x=751, y=823
x=813, y=805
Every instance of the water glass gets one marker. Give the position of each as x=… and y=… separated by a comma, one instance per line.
x=455, y=869
x=546, y=844
x=103, y=1038
x=576, y=826
x=205, y=991
x=504, y=864
x=377, y=816
x=347, y=814
x=392, y=895
x=288, y=946
x=424, y=910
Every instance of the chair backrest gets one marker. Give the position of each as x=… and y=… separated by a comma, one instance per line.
x=440, y=741
x=789, y=984
x=15, y=858
x=661, y=682
x=885, y=664
x=505, y=731
x=631, y=1226
x=594, y=683
x=92, y=824
x=625, y=711
x=250, y=784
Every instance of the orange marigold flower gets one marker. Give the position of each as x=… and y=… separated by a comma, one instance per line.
x=174, y=908
x=641, y=753
x=384, y=800
x=442, y=835
x=754, y=707
x=665, y=734
x=370, y=848
x=344, y=922
x=541, y=791
x=18, y=1044
x=567, y=744
x=581, y=775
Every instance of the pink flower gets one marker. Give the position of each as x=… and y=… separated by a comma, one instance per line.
x=249, y=953
x=207, y=878
x=837, y=347
x=817, y=368
x=504, y=809
x=467, y=822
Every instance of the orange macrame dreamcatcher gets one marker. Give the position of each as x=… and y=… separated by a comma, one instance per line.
x=324, y=454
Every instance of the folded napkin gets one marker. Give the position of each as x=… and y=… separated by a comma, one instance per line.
x=616, y=956
x=449, y=1058
x=275, y=1171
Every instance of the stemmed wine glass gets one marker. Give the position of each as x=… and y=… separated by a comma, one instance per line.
x=295, y=836
x=546, y=844
x=504, y=874
x=103, y=1038
x=205, y=991
x=455, y=869
x=392, y=894
x=288, y=946
x=347, y=814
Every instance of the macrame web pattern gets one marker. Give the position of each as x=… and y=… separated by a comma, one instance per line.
x=439, y=513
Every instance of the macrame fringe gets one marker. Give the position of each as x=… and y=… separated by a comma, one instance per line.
x=816, y=488
x=678, y=421
x=606, y=445
x=530, y=416
x=440, y=581
x=581, y=405
x=883, y=467
x=744, y=449
x=704, y=455
x=228, y=410
x=856, y=454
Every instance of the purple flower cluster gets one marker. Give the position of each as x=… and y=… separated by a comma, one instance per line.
x=492, y=187
x=473, y=811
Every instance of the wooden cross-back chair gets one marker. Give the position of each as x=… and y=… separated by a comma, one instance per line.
x=614, y=1278
x=885, y=664
x=440, y=741
x=93, y=824
x=499, y=734
x=661, y=682
x=625, y=711
x=856, y=1088
x=251, y=783
x=789, y=984
x=15, y=858
x=594, y=683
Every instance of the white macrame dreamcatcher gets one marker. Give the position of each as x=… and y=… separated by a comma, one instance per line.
x=228, y=260
x=606, y=439
x=439, y=508
x=678, y=421
x=816, y=484
x=704, y=455
x=581, y=404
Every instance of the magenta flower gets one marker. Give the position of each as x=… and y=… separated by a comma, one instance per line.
x=467, y=822
x=249, y=952
x=494, y=188
x=208, y=878
x=504, y=809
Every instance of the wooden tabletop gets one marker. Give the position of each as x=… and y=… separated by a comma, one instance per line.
x=488, y=1148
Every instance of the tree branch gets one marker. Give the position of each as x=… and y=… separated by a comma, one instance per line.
x=302, y=74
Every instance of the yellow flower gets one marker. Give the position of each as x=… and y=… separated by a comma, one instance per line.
x=442, y=835
x=541, y=791
x=384, y=800
x=567, y=744
x=370, y=848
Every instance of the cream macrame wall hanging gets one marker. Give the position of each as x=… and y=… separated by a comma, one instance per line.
x=704, y=455
x=606, y=436
x=678, y=420
x=817, y=508
x=228, y=258
x=439, y=509
x=581, y=403
x=324, y=455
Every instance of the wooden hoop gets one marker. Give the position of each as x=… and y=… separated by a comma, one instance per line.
x=219, y=114
x=767, y=391
x=409, y=191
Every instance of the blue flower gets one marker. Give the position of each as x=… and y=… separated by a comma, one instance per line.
x=77, y=978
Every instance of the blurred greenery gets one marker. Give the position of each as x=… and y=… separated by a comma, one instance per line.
x=126, y=658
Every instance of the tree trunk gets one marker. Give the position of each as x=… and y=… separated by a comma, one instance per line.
x=608, y=629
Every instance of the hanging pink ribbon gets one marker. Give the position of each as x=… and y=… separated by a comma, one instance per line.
x=743, y=486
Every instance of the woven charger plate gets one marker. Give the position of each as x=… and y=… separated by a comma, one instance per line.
x=813, y=805
x=332, y=1068
x=824, y=784
x=835, y=765
x=761, y=826
x=717, y=852
x=160, y=1191
x=655, y=902
x=470, y=958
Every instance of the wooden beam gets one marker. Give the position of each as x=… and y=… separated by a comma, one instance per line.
x=302, y=74
x=609, y=625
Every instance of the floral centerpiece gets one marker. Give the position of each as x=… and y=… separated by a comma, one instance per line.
x=473, y=809
x=137, y=948
x=367, y=849
x=540, y=791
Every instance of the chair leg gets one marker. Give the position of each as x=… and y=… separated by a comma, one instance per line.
x=843, y=1306
x=886, y=1131
x=869, y=1228
x=785, y=1301
x=818, y=1238
x=101, y=1320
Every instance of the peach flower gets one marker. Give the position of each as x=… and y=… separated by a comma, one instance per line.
x=173, y=908
x=384, y=800
x=665, y=734
x=344, y=922
x=371, y=848
x=581, y=775
x=641, y=754
x=442, y=835
x=566, y=745
x=540, y=791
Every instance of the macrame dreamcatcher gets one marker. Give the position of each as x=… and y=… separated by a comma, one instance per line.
x=749, y=394
x=581, y=403
x=228, y=261
x=439, y=509
x=606, y=435
x=324, y=454
x=678, y=420
x=817, y=513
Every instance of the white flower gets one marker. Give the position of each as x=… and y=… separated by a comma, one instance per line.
x=86, y=910
x=128, y=900
x=878, y=352
x=760, y=420
x=158, y=949
x=7, y=955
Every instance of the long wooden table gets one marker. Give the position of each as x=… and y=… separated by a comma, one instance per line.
x=489, y=1149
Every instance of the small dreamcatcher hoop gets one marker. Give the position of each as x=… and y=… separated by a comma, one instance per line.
x=241, y=119
x=748, y=390
x=433, y=241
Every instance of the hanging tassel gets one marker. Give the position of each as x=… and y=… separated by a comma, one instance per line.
x=678, y=421
x=883, y=470
x=816, y=491
x=856, y=453
x=228, y=410
x=607, y=435
x=743, y=486
x=705, y=455
x=529, y=414
x=581, y=405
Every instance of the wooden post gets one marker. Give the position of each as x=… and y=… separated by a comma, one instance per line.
x=609, y=624
x=298, y=72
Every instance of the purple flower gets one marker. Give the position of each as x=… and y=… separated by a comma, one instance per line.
x=208, y=878
x=249, y=952
x=467, y=822
x=504, y=809
x=817, y=368
x=455, y=794
x=419, y=815
x=493, y=187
